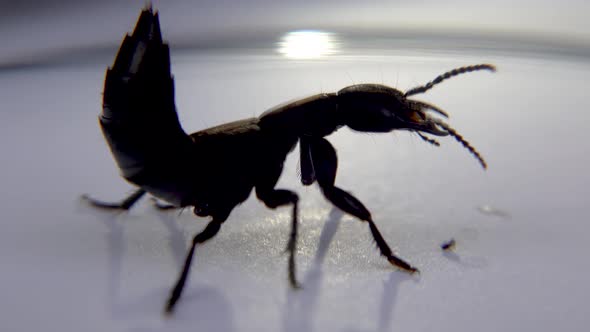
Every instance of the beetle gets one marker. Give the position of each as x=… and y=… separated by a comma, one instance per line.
x=214, y=170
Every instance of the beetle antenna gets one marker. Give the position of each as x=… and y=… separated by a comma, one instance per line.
x=463, y=142
x=449, y=74
x=428, y=139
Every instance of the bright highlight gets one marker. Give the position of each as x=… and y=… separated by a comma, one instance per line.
x=307, y=44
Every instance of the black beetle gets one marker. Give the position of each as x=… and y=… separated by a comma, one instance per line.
x=215, y=169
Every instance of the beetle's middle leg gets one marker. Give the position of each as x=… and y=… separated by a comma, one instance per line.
x=274, y=198
x=325, y=164
x=209, y=232
x=305, y=162
x=125, y=204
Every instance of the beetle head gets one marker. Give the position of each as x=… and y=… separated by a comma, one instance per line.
x=379, y=108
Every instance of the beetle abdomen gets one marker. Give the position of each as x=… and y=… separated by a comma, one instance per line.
x=139, y=119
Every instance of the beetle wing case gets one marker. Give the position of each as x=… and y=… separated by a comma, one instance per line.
x=139, y=119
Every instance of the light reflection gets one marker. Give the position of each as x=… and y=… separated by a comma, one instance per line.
x=307, y=44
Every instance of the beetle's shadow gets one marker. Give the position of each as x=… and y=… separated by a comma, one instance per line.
x=205, y=298
x=115, y=239
x=389, y=297
x=301, y=305
x=387, y=305
x=204, y=309
x=468, y=262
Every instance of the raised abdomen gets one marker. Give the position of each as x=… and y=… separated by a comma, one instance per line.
x=139, y=119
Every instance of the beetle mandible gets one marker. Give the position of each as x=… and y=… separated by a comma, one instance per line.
x=216, y=169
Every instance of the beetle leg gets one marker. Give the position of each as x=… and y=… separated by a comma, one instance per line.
x=125, y=204
x=307, y=171
x=325, y=163
x=209, y=231
x=274, y=198
x=163, y=206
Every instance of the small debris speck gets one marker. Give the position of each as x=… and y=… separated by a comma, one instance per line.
x=449, y=245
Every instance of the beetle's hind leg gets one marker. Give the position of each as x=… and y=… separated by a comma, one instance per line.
x=325, y=164
x=125, y=204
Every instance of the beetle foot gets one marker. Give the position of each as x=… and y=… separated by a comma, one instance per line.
x=294, y=283
x=103, y=205
x=124, y=205
x=402, y=265
x=162, y=206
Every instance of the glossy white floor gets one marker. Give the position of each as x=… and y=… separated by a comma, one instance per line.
x=67, y=267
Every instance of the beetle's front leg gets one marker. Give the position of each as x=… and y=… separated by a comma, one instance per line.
x=125, y=204
x=325, y=163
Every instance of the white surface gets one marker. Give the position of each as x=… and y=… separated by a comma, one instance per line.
x=67, y=267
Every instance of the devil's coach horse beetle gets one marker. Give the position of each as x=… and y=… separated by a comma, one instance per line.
x=215, y=169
